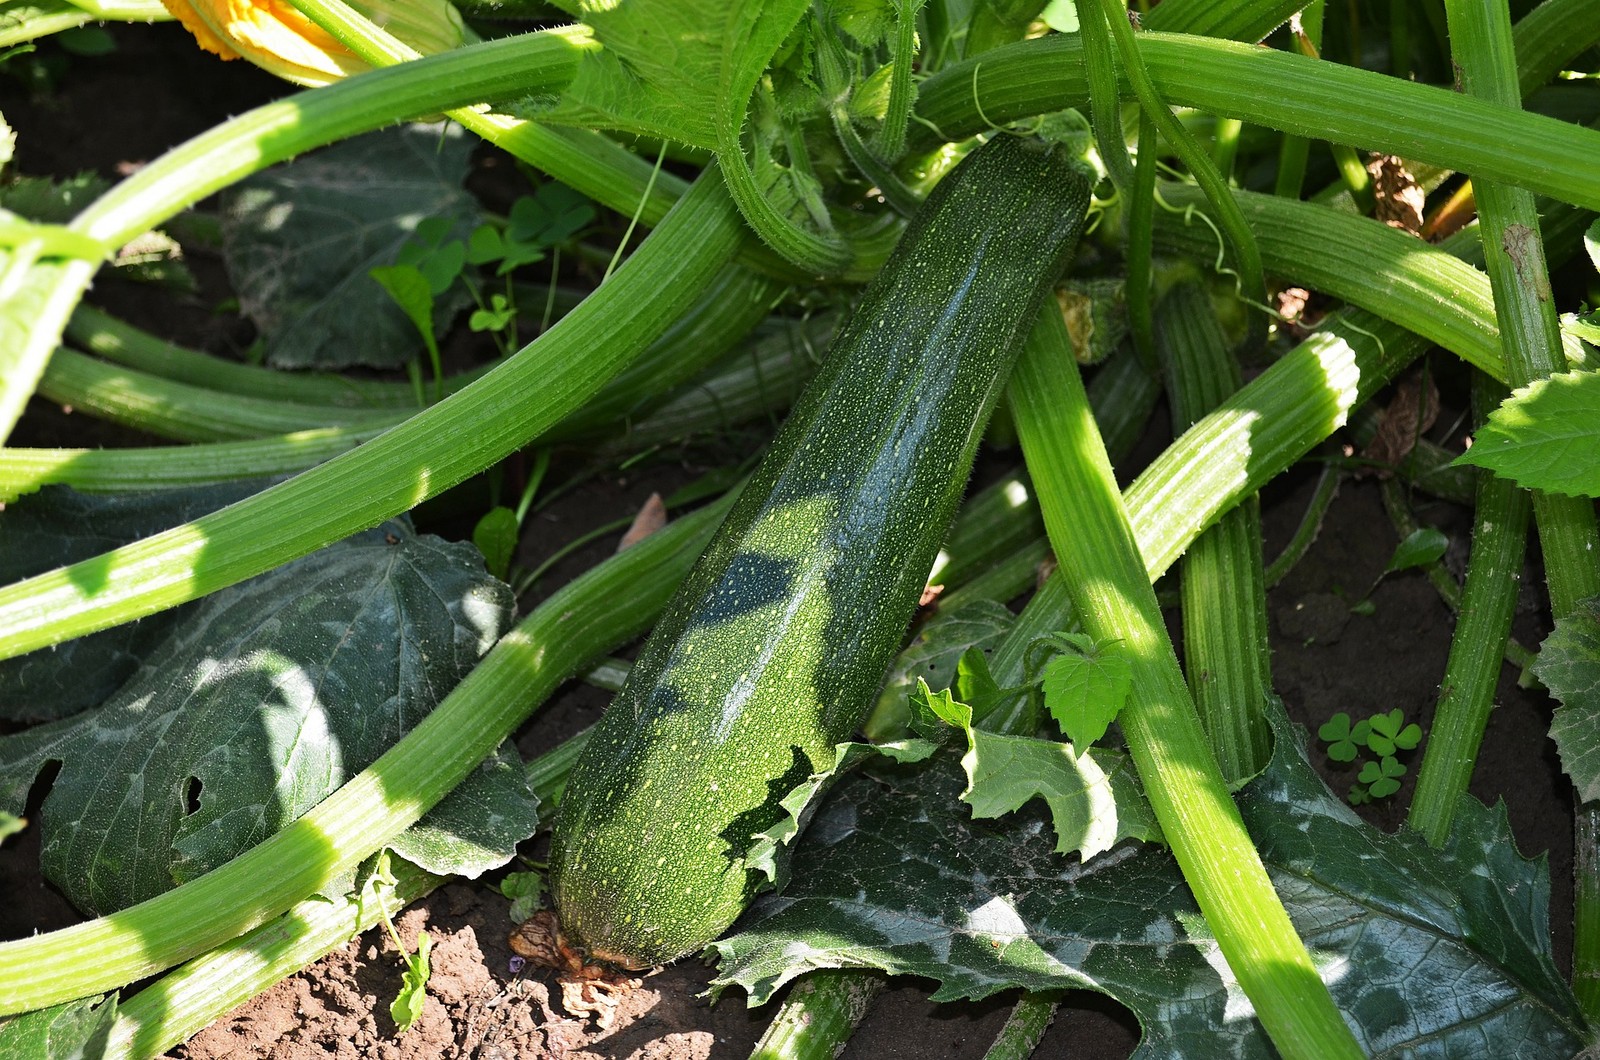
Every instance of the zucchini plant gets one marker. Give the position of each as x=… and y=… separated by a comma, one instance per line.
x=251, y=712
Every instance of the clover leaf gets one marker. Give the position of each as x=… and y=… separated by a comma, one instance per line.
x=1381, y=778
x=1389, y=731
x=1343, y=740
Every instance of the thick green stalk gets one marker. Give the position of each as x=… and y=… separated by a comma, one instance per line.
x=1105, y=103
x=819, y=1015
x=1466, y=695
x=1029, y=1019
x=1247, y=256
x=1099, y=557
x=605, y=607
x=1141, y=246
x=188, y=413
x=164, y=467
x=1310, y=526
x=1243, y=20
x=1223, y=583
x=30, y=21
x=1286, y=92
x=1482, y=50
x=433, y=450
x=36, y=315
x=1428, y=290
x=98, y=332
x=188, y=999
x=759, y=382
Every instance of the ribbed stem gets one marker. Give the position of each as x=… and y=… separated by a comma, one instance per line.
x=1223, y=581
x=1483, y=52
x=1099, y=557
x=1466, y=695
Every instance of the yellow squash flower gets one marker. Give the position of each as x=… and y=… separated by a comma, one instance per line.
x=279, y=39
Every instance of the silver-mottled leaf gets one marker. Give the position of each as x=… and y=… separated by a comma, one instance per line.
x=268, y=697
x=1428, y=953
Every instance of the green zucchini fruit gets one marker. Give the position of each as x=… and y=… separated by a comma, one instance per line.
x=772, y=650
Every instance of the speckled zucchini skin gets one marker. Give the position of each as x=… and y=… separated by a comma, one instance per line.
x=775, y=644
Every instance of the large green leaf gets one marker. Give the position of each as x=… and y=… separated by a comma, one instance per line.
x=1546, y=436
x=264, y=700
x=1428, y=953
x=58, y=526
x=678, y=69
x=1569, y=665
x=301, y=237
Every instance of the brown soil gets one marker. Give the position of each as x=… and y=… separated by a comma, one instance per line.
x=144, y=98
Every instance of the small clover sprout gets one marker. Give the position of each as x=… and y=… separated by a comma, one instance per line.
x=1343, y=740
x=1389, y=731
x=1382, y=778
x=1382, y=735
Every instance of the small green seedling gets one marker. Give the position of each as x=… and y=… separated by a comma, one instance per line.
x=1381, y=779
x=524, y=889
x=1419, y=549
x=1343, y=740
x=1389, y=731
x=431, y=263
x=406, y=1008
x=1381, y=735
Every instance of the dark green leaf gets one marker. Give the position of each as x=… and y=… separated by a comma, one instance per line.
x=1429, y=953
x=1546, y=436
x=802, y=801
x=496, y=537
x=267, y=697
x=1569, y=665
x=300, y=240
x=58, y=526
x=485, y=245
x=88, y=41
x=935, y=656
x=50, y=200
x=1420, y=548
x=550, y=216
x=478, y=825
x=1085, y=689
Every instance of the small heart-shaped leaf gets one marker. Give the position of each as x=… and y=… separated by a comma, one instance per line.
x=1382, y=789
x=1336, y=728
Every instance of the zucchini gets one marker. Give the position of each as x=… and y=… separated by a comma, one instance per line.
x=774, y=646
